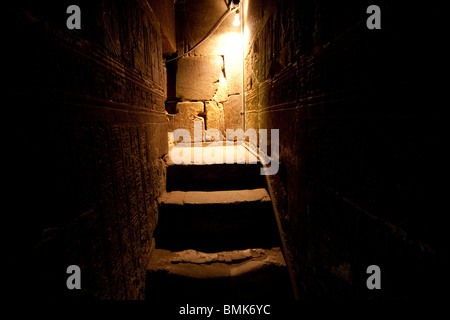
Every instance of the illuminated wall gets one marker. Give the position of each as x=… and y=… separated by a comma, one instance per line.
x=212, y=73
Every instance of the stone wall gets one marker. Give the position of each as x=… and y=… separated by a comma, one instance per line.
x=165, y=11
x=212, y=73
x=93, y=132
x=357, y=181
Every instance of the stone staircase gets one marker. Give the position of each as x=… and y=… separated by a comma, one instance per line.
x=217, y=236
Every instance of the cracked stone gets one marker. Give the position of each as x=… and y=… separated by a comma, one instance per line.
x=232, y=112
x=222, y=91
x=214, y=116
x=188, y=114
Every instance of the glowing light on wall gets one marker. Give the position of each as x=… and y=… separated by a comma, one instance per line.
x=237, y=20
x=230, y=45
x=246, y=38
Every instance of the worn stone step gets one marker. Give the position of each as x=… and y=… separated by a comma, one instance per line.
x=204, y=170
x=214, y=197
x=238, y=274
x=216, y=220
x=204, y=153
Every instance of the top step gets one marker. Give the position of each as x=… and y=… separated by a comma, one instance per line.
x=201, y=169
x=210, y=153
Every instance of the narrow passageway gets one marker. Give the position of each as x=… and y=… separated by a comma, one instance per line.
x=217, y=236
x=123, y=183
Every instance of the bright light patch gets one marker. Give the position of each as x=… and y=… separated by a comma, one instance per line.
x=236, y=21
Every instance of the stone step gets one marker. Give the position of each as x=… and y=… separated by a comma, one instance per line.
x=214, y=197
x=214, y=177
x=216, y=220
x=211, y=152
x=238, y=274
x=205, y=173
